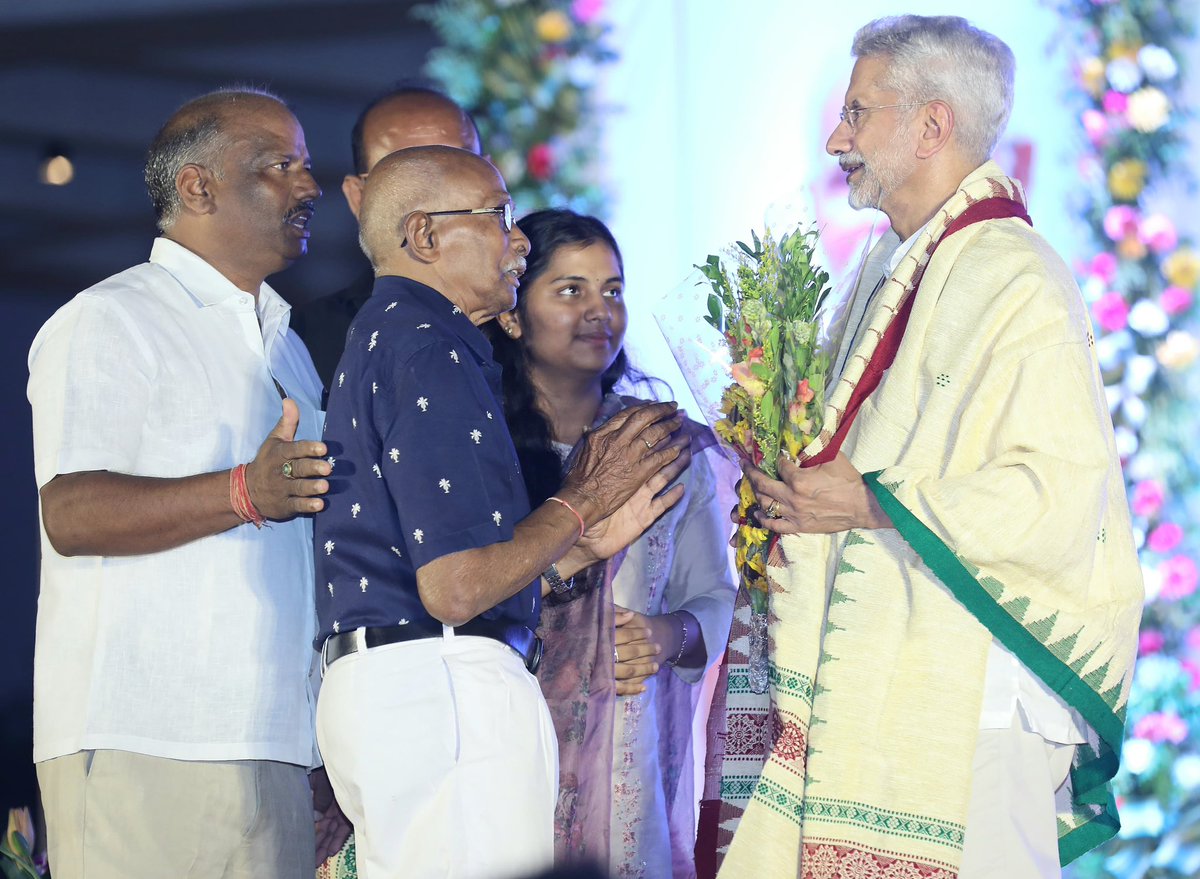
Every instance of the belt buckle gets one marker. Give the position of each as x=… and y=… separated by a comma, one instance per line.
x=534, y=660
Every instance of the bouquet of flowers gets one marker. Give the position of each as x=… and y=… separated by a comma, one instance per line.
x=766, y=309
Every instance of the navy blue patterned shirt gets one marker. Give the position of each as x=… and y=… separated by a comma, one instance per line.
x=423, y=464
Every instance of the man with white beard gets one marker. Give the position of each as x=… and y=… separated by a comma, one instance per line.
x=956, y=593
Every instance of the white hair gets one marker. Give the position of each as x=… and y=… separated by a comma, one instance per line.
x=944, y=58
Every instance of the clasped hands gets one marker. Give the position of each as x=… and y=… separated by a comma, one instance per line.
x=823, y=499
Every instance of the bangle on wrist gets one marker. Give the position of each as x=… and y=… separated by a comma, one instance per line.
x=239, y=497
x=683, y=639
x=574, y=511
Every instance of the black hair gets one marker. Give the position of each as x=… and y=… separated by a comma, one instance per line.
x=547, y=231
x=397, y=90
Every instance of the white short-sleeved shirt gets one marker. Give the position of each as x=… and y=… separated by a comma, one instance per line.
x=201, y=652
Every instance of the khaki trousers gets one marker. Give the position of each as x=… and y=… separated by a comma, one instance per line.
x=120, y=815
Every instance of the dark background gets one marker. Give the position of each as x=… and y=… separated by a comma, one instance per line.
x=97, y=78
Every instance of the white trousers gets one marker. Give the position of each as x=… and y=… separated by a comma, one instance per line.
x=1012, y=832
x=442, y=754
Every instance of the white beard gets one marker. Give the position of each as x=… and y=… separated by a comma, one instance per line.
x=880, y=177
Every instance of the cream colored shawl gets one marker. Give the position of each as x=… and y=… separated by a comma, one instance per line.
x=988, y=443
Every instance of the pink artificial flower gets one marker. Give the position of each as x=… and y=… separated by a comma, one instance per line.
x=1161, y=726
x=1165, y=538
x=1179, y=578
x=1150, y=641
x=1191, y=640
x=1192, y=669
x=540, y=161
x=1111, y=311
x=1095, y=125
x=755, y=355
x=1120, y=221
x=587, y=11
x=1175, y=300
x=1148, y=498
x=1115, y=103
x=1104, y=266
x=1158, y=233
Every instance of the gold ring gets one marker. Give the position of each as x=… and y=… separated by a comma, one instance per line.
x=287, y=470
x=772, y=510
x=649, y=445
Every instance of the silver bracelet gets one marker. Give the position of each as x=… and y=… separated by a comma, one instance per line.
x=683, y=641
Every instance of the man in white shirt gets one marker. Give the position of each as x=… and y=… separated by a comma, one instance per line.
x=173, y=719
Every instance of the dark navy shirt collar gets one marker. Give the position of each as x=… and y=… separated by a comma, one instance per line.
x=443, y=313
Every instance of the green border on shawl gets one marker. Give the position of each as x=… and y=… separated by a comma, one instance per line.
x=1089, y=780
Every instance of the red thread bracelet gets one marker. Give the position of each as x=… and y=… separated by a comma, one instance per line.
x=239, y=497
x=573, y=510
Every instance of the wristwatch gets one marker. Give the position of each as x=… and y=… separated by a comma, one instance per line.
x=558, y=585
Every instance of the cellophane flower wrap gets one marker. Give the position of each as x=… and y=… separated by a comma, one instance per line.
x=763, y=300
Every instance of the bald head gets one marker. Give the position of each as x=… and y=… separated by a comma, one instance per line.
x=198, y=133
x=429, y=178
x=400, y=120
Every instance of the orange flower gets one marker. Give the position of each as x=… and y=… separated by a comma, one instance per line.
x=754, y=386
x=804, y=393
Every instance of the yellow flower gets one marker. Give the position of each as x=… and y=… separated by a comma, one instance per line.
x=1131, y=248
x=753, y=385
x=1120, y=49
x=1178, y=351
x=1093, y=76
x=553, y=26
x=1126, y=179
x=1182, y=268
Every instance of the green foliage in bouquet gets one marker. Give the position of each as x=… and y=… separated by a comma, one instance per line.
x=766, y=311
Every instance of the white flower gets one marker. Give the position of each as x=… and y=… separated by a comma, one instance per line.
x=374, y=387
x=354, y=423
x=496, y=517
x=329, y=586
x=337, y=627
x=397, y=552
x=489, y=415
x=394, y=454
x=1148, y=109
x=374, y=341
x=390, y=307
x=1123, y=74
x=378, y=472
x=456, y=310
x=1159, y=64
x=444, y=485
x=419, y=536
x=328, y=547
x=355, y=509
x=423, y=403
x=423, y=326
x=332, y=460
x=476, y=435
x=362, y=584
x=402, y=622
x=1148, y=319
x=454, y=355
x=341, y=379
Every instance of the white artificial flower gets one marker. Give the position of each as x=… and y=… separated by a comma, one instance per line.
x=1148, y=110
x=1148, y=319
x=1158, y=63
x=1123, y=74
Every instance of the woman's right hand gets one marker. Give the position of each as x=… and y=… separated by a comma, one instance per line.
x=621, y=458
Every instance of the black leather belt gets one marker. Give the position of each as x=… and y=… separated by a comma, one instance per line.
x=520, y=638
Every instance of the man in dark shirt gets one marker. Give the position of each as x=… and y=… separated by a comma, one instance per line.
x=406, y=116
x=434, y=733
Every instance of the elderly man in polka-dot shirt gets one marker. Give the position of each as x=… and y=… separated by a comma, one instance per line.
x=430, y=564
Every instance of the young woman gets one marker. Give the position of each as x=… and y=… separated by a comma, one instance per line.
x=624, y=656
